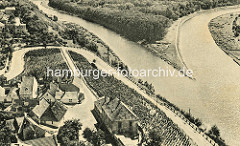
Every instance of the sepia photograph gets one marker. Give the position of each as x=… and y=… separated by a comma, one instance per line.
x=119, y=72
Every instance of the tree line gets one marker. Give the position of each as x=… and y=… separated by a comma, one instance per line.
x=136, y=20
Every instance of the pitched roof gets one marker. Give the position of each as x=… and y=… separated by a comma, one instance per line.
x=49, y=97
x=70, y=95
x=10, y=124
x=41, y=108
x=59, y=95
x=46, y=141
x=19, y=121
x=68, y=88
x=55, y=112
x=58, y=110
x=53, y=89
x=115, y=109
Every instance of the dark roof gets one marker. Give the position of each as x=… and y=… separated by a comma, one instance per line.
x=46, y=141
x=55, y=112
x=58, y=110
x=68, y=88
x=115, y=109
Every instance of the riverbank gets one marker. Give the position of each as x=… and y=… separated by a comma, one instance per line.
x=221, y=29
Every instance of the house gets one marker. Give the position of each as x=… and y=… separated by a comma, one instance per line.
x=45, y=141
x=9, y=10
x=17, y=27
x=49, y=97
x=28, y=88
x=27, y=130
x=71, y=94
x=116, y=116
x=49, y=113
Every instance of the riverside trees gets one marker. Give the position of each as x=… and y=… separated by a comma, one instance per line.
x=136, y=20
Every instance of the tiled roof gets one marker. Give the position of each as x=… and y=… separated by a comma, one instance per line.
x=41, y=108
x=54, y=112
x=68, y=88
x=46, y=141
x=115, y=109
x=49, y=97
x=58, y=110
x=10, y=124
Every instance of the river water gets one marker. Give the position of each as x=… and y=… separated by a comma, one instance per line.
x=213, y=97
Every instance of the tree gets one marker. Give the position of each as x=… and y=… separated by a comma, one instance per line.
x=68, y=134
x=6, y=135
x=214, y=131
x=154, y=138
x=198, y=122
x=97, y=138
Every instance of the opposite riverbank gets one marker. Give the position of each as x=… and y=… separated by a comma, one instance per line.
x=222, y=31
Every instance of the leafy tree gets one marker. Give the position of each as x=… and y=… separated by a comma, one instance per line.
x=6, y=135
x=214, y=131
x=97, y=138
x=154, y=138
x=68, y=134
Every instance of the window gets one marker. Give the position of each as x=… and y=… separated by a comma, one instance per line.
x=70, y=100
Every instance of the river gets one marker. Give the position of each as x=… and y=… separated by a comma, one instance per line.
x=213, y=97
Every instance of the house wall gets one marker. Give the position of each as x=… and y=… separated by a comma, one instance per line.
x=51, y=123
x=64, y=100
x=70, y=95
x=125, y=129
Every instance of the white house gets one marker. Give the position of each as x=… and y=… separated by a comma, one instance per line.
x=28, y=87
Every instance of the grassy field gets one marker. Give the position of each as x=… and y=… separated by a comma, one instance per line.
x=37, y=61
x=222, y=33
